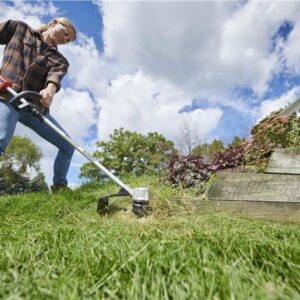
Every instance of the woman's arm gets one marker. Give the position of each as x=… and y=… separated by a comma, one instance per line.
x=48, y=94
x=55, y=75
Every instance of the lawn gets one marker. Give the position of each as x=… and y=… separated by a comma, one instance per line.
x=58, y=247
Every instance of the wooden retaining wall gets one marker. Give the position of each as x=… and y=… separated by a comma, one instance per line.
x=284, y=161
x=273, y=211
x=255, y=187
x=274, y=195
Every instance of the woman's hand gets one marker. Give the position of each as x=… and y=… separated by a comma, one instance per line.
x=48, y=94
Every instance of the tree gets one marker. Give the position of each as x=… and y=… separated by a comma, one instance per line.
x=38, y=183
x=21, y=157
x=215, y=147
x=23, y=154
x=237, y=142
x=13, y=182
x=208, y=151
x=203, y=151
x=188, y=138
x=130, y=152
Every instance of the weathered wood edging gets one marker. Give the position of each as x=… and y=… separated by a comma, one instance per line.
x=284, y=161
x=231, y=186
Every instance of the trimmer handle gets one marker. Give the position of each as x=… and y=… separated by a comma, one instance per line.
x=33, y=95
x=4, y=84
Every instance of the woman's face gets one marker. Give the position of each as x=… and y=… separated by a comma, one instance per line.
x=61, y=34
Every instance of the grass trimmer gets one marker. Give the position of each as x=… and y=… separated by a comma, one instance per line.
x=139, y=195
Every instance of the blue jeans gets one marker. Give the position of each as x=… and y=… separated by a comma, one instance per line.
x=8, y=120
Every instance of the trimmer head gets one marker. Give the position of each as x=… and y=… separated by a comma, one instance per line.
x=140, y=201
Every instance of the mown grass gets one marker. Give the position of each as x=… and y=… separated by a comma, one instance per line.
x=57, y=247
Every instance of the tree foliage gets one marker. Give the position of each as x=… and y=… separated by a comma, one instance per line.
x=23, y=154
x=130, y=152
x=38, y=183
x=202, y=150
x=21, y=157
x=237, y=142
x=208, y=151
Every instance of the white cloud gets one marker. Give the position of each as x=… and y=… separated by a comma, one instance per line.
x=88, y=69
x=291, y=50
x=140, y=103
x=75, y=110
x=198, y=45
x=270, y=105
x=172, y=40
x=28, y=12
x=247, y=41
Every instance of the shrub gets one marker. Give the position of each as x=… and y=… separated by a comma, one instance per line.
x=273, y=131
x=230, y=158
x=187, y=170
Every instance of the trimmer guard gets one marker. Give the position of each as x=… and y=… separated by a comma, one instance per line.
x=140, y=201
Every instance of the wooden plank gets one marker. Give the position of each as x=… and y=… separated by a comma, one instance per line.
x=274, y=211
x=232, y=186
x=284, y=161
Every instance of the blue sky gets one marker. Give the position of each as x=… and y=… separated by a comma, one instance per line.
x=214, y=67
x=87, y=17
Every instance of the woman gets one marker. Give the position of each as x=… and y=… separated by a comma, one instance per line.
x=31, y=61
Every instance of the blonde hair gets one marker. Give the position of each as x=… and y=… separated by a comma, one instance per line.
x=62, y=20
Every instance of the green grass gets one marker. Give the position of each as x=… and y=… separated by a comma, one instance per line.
x=57, y=247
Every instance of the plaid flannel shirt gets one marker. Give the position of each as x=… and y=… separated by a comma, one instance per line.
x=24, y=63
